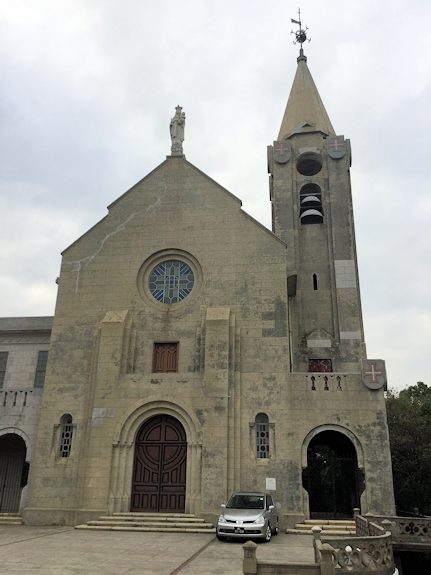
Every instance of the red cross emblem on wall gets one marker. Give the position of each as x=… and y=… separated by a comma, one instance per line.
x=336, y=146
x=373, y=373
x=281, y=152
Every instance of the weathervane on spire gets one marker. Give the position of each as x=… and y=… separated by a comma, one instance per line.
x=300, y=34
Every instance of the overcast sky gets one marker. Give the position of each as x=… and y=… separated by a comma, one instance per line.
x=88, y=88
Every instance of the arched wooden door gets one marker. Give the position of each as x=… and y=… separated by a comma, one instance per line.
x=13, y=471
x=332, y=478
x=159, y=470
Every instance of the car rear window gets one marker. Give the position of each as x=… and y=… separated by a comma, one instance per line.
x=239, y=501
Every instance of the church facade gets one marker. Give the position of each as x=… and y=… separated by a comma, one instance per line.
x=194, y=352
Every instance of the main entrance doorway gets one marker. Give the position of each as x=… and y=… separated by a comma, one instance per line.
x=13, y=471
x=159, y=470
x=332, y=476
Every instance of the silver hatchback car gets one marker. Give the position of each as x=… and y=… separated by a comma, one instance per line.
x=248, y=514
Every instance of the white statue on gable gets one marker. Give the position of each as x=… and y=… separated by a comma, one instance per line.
x=177, y=131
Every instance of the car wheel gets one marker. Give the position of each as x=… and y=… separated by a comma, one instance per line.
x=268, y=534
x=220, y=537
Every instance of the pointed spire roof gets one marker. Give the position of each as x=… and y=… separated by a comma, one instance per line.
x=305, y=110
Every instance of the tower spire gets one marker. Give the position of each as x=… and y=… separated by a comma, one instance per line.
x=305, y=110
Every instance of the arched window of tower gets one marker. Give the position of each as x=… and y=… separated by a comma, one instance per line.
x=310, y=200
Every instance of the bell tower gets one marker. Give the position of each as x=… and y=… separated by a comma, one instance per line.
x=309, y=167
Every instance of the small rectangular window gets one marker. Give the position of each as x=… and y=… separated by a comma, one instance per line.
x=3, y=364
x=320, y=365
x=39, y=376
x=165, y=357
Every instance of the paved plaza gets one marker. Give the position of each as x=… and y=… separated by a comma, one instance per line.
x=65, y=551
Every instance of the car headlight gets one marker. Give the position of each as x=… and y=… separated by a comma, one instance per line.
x=259, y=521
x=221, y=518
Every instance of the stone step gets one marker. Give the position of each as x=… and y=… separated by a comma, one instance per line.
x=10, y=519
x=154, y=514
x=321, y=522
x=158, y=522
x=334, y=527
x=303, y=527
x=152, y=517
x=147, y=529
x=334, y=532
x=109, y=521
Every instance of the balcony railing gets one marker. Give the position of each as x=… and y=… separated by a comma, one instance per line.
x=11, y=399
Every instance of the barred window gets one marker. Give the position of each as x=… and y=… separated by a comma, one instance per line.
x=39, y=376
x=66, y=433
x=262, y=436
x=3, y=364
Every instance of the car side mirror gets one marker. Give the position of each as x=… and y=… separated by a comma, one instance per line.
x=271, y=507
x=223, y=505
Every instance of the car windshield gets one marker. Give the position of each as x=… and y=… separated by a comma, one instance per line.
x=241, y=501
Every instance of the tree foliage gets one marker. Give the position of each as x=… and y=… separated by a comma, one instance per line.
x=409, y=421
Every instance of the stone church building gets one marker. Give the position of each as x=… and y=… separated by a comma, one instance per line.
x=193, y=352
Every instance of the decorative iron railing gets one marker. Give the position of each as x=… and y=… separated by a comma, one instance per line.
x=11, y=399
x=335, y=382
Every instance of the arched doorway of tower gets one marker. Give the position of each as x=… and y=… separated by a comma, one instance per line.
x=332, y=478
x=159, y=469
x=13, y=471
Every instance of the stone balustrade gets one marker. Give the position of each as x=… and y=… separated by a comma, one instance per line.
x=369, y=553
x=358, y=555
x=407, y=532
x=251, y=565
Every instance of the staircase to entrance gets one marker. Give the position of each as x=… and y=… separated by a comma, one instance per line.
x=155, y=522
x=10, y=519
x=341, y=527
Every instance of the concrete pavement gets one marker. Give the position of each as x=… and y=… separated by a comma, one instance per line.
x=28, y=550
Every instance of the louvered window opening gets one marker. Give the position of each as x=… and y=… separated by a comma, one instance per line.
x=310, y=199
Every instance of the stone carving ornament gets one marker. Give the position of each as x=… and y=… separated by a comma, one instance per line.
x=177, y=131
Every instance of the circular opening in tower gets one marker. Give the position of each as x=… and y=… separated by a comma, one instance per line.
x=309, y=164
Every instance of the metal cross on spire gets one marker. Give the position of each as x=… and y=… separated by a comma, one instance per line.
x=300, y=34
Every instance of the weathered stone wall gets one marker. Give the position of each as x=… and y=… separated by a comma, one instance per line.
x=326, y=319
x=231, y=330
x=234, y=360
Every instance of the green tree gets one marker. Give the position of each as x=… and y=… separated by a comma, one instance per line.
x=409, y=421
